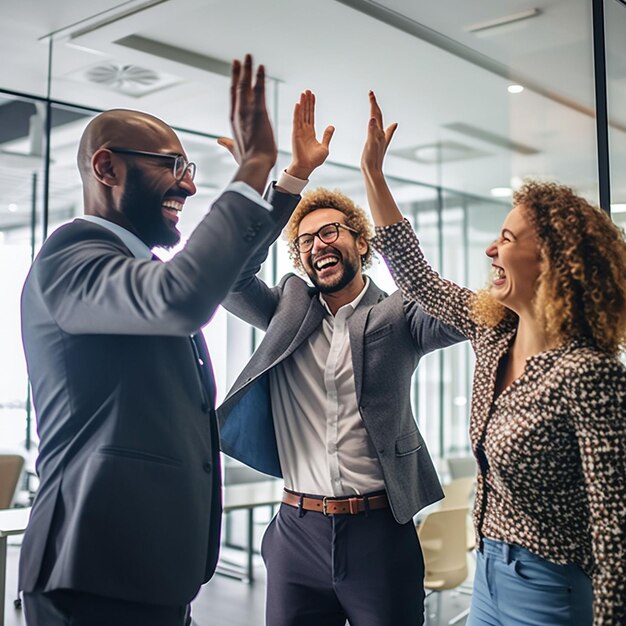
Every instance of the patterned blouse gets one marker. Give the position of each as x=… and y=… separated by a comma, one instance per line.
x=551, y=447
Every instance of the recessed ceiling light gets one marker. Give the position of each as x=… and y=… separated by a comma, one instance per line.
x=12, y=207
x=515, y=88
x=501, y=192
x=618, y=208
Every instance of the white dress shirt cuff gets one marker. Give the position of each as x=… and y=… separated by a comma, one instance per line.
x=248, y=192
x=291, y=184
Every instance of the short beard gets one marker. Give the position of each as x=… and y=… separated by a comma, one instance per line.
x=347, y=276
x=138, y=205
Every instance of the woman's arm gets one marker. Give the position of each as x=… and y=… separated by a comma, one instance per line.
x=397, y=242
x=598, y=408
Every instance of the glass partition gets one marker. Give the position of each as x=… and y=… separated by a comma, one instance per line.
x=22, y=167
x=466, y=136
x=615, y=25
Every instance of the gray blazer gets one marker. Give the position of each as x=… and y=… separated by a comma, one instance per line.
x=387, y=337
x=129, y=501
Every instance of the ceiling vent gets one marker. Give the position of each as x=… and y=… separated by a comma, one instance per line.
x=440, y=152
x=131, y=80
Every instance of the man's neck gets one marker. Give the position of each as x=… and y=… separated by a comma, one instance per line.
x=346, y=295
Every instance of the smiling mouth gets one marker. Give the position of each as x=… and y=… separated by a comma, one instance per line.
x=326, y=262
x=498, y=275
x=171, y=209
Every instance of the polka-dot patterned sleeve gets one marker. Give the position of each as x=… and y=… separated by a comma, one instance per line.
x=598, y=396
x=418, y=281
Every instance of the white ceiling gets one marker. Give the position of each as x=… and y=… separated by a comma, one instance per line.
x=340, y=53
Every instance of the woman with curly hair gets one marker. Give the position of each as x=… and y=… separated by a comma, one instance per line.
x=548, y=416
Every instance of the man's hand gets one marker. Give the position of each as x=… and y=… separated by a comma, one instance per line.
x=254, y=147
x=377, y=140
x=307, y=152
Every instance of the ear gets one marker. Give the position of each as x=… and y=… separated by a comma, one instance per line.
x=362, y=245
x=105, y=168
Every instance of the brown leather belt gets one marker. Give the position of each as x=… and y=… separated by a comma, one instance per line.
x=336, y=506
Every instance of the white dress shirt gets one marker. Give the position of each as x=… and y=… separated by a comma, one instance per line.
x=323, y=446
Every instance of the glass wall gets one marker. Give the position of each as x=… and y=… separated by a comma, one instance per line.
x=465, y=137
x=21, y=177
x=615, y=24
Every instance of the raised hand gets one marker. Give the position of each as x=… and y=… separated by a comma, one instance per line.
x=307, y=152
x=382, y=205
x=377, y=140
x=253, y=146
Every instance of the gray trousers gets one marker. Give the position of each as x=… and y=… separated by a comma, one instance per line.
x=364, y=568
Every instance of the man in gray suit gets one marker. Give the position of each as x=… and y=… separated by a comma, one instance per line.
x=125, y=525
x=324, y=403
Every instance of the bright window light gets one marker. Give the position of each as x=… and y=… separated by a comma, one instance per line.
x=501, y=192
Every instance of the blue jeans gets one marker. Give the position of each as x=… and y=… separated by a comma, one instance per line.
x=513, y=587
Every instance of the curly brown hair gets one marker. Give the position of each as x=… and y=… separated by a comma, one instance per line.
x=322, y=198
x=581, y=290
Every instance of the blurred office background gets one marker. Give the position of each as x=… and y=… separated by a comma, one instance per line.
x=485, y=93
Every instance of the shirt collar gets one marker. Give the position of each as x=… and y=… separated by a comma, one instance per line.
x=137, y=247
x=352, y=304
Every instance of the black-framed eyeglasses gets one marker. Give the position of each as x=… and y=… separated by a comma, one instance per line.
x=180, y=169
x=328, y=233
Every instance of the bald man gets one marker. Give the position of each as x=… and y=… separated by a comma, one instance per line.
x=125, y=526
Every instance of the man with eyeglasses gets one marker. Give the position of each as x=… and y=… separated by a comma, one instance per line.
x=324, y=403
x=125, y=526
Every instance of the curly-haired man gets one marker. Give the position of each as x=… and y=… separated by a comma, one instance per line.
x=325, y=404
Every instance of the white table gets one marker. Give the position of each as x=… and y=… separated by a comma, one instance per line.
x=248, y=496
x=12, y=522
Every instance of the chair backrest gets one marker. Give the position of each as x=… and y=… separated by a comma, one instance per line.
x=10, y=471
x=442, y=534
x=459, y=492
x=461, y=466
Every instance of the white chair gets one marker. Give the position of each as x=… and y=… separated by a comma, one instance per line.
x=442, y=535
x=460, y=493
x=461, y=466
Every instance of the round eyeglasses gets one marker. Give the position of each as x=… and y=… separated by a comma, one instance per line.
x=329, y=233
x=181, y=166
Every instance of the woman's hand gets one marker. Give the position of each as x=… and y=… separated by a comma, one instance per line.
x=377, y=140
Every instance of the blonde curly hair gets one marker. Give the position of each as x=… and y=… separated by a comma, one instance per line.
x=322, y=198
x=581, y=290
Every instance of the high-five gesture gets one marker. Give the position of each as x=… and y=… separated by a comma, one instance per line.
x=378, y=138
x=382, y=205
x=307, y=152
x=253, y=146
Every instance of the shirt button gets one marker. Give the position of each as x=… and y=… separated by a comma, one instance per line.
x=207, y=467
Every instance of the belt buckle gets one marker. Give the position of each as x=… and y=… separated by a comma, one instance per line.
x=325, y=506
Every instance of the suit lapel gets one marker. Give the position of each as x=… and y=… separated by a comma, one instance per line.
x=312, y=319
x=356, y=325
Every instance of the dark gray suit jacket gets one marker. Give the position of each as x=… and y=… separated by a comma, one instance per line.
x=129, y=502
x=387, y=338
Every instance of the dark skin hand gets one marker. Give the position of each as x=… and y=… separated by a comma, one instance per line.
x=252, y=131
x=307, y=152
